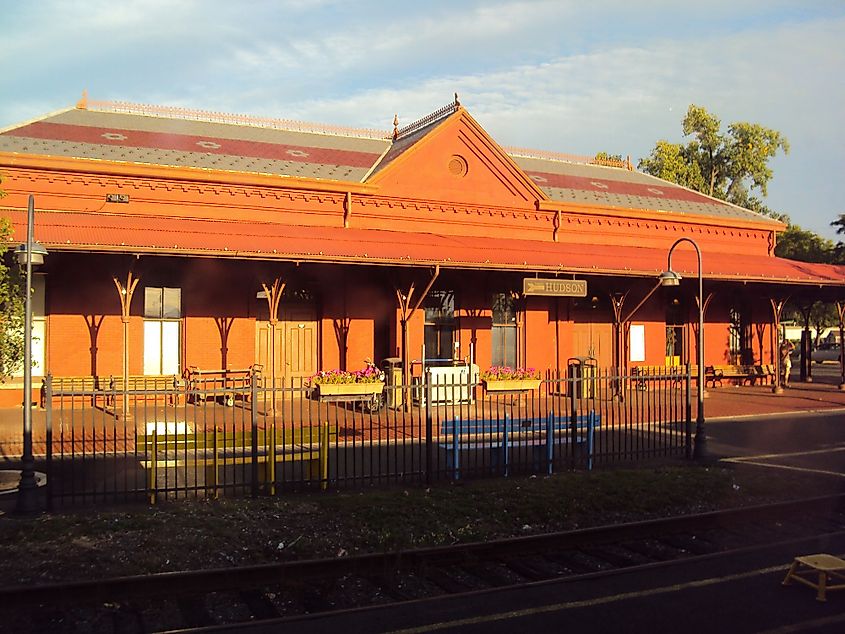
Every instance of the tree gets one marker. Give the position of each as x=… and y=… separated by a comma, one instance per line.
x=11, y=307
x=839, y=223
x=612, y=160
x=728, y=166
x=806, y=246
x=671, y=162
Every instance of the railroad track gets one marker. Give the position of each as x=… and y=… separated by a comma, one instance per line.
x=199, y=599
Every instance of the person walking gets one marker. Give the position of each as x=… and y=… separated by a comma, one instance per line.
x=786, y=349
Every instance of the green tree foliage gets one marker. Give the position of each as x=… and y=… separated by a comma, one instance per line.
x=614, y=160
x=672, y=162
x=11, y=307
x=807, y=246
x=728, y=165
x=839, y=225
x=799, y=244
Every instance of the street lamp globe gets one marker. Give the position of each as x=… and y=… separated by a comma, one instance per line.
x=36, y=254
x=669, y=278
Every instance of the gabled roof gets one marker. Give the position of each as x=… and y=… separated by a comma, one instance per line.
x=173, y=137
x=592, y=184
x=450, y=157
x=251, y=146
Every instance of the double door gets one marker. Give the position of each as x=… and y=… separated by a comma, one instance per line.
x=293, y=354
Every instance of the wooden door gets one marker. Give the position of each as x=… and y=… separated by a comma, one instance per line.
x=299, y=326
x=296, y=343
x=593, y=340
x=264, y=352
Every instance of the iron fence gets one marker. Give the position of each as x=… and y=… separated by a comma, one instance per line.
x=149, y=441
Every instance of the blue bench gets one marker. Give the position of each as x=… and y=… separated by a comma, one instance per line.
x=501, y=435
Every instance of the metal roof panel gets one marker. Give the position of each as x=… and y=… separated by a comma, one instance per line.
x=168, y=235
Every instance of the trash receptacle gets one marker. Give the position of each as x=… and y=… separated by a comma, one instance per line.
x=392, y=368
x=582, y=375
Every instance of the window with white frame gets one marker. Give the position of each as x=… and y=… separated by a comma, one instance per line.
x=439, y=325
x=162, y=330
x=504, y=330
x=39, y=328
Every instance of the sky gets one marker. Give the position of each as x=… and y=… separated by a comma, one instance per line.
x=567, y=76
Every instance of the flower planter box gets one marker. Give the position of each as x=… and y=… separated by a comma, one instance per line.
x=350, y=389
x=511, y=385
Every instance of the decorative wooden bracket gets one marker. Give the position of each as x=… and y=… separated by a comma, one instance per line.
x=125, y=293
x=274, y=296
x=347, y=209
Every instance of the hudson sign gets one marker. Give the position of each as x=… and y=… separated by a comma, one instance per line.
x=554, y=288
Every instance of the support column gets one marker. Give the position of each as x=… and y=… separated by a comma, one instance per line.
x=406, y=312
x=840, y=308
x=125, y=293
x=617, y=302
x=777, y=311
x=806, y=373
x=273, y=295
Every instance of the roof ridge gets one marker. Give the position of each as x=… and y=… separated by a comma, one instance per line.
x=567, y=158
x=427, y=120
x=178, y=112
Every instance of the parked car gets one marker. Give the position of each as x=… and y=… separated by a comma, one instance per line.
x=826, y=352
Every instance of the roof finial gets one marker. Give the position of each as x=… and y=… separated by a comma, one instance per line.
x=457, y=102
x=83, y=103
x=395, y=126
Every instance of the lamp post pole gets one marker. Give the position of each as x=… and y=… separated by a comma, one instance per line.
x=700, y=445
x=27, y=489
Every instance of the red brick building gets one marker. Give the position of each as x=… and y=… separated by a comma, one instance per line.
x=207, y=210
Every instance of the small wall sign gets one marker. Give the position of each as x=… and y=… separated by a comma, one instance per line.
x=554, y=288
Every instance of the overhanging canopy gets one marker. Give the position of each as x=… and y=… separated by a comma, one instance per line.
x=98, y=232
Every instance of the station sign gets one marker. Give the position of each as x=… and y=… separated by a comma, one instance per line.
x=554, y=288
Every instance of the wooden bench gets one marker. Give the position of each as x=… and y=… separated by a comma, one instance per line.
x=644, y=375
x=175, y=445
x=169, y=385
x=743, y=373
x=74, y=386
x=765, y=374
x=501, y=435
x=107, y=388
x=219, y=385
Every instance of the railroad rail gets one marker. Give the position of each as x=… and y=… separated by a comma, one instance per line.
x=205, y=598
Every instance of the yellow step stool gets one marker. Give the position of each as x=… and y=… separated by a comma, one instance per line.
x=827, y=567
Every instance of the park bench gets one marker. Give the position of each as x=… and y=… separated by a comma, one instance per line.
x=174, y=445
x=645, y=375
x=168, y=385
x=73, y=387
x=219, y=385
x=500, y=436
x=109, y=387
x=716, y=374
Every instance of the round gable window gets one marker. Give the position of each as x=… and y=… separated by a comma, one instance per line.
x=458, y=166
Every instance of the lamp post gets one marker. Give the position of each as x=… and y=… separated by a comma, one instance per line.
x=671, y=278
x=29, y=255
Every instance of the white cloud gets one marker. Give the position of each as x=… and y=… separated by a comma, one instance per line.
x=562, y=76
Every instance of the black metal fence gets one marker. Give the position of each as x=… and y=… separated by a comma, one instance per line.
x=157, y=440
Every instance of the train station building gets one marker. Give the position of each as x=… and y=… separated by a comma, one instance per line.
x=220, y=241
